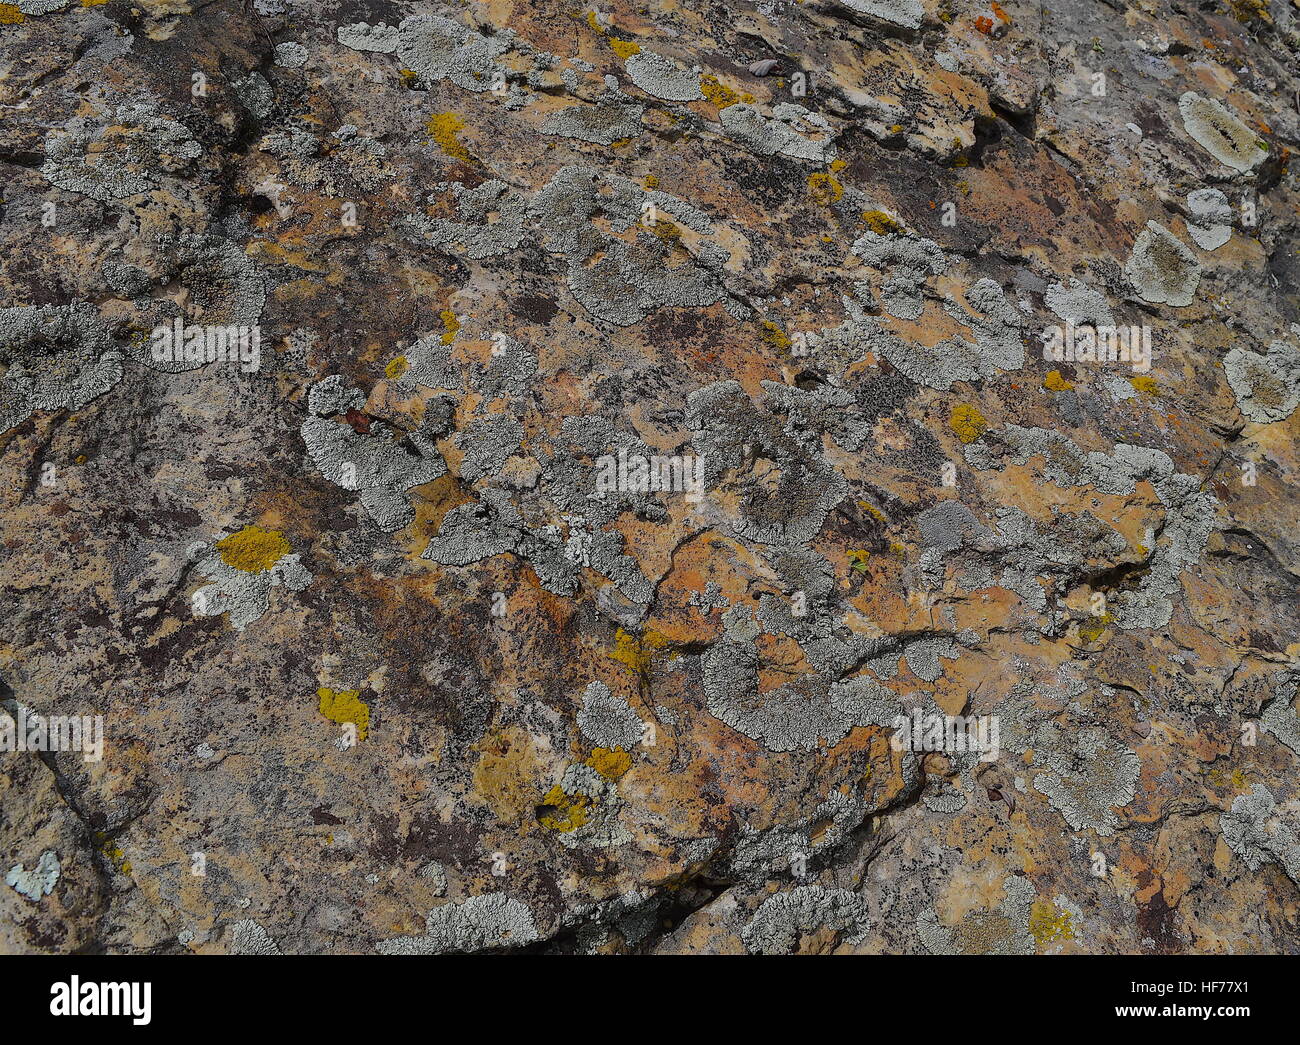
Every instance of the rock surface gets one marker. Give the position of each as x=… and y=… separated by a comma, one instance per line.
x=510, y=476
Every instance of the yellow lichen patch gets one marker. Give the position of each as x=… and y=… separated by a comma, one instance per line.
x=625, y=49
x=397, y=367
x=450, y=324
x=873, y=511
x=1046, y=923
x=637, y=651
x=563, y=812
x=668, y=232
x=610, y=764
x=1095, y=628
x=967, y=422
x=717, y=94
x=443, y=128
x=409, y=77
x=93, y=3
x=1054, y=382
x=775, y=336
x=345, y=705
x=881, y=223
x=824, y=189
x=858, y=558
x=10, y=14
x=594, y=22
x=252, y=549
x=112, y=852
x=651, y=181
x=1146, y=385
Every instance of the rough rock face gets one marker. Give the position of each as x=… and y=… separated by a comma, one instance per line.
x=515, y=476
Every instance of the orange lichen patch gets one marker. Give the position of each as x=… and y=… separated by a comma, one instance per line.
x=610, y=764
x=824, y=189
x=881, y=223
x=443, y=128
x=719, y=95
x=1003, y=17
x=345, y=706
x=1054, y=382
x=625, y=49
x=396, y=367
x=967, y=422
x=984, y=25
x=252, y=549
x=563, y=812
x=450, y=324
x=10, y=14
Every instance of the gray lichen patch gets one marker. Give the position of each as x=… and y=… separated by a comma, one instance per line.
x=437, y=48
x=784, y=917
x=53, y=357
x=663, y=78
x=794, y=131
x=600, y=825
x=1280, y=718
x=477, y=236
x=39, y=881
x=1189, y=511
x=480, y=923
x=124, y=157
x=1086, y=774
x=613, y=119
x=382, y=468
x=1162, y=269
x=608, y=720
x=244, y=594
x=1256, y=832
x=488, y=444
x=1267, y=386
x=1003, y=929
x=1210, y=218
x=1079, y=304
x=614, y=280
x=1220, y=133
x=248, y=937
x=905, y=13
x=361, y=36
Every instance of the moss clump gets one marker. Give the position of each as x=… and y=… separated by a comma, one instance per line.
x=252, y=549
x=345, y=705
x=967, y=422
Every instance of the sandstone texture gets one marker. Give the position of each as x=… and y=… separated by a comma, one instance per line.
x=396, y=649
